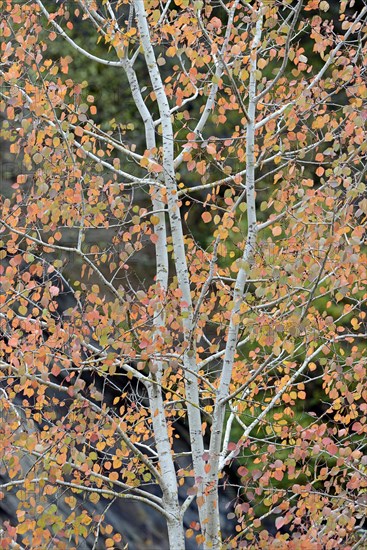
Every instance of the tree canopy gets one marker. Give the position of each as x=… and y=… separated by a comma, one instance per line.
x=207, y=244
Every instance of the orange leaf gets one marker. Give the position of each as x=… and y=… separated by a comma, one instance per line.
x=206, y=217
x=155, y=167
x=201, y=167
x=211, y=148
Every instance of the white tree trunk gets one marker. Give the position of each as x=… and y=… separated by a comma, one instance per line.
x=191, y=381
x=157, y=410
x=213, y=536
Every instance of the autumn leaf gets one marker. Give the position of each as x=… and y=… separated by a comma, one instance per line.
x=206, y=217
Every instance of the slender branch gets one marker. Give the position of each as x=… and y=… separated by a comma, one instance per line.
x=289, y=383
x=74, y=44
x=214, y=88
x=286, y=52
x=224, y=68
x=110, y=167
x=13, y=545
x=153, y=470
x=178, y=107
x=100, y=523
x=111, y=141
x=84, y=488
x=315, y=285
x=67, y=249
x=220, y=354
x=319, y=75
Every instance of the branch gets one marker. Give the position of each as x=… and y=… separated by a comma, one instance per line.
x=219, y=354
x=92, y=474
x=67, y=249
x=103, y=515
x=246, y=384
x=238, y=292
x=225, y=67
x=319, y=75
x=178, y=107
x=277, y=397
x=111, y=141
x=164, y=13
x=95, y=490
x=280, y=216
x=180, y=260
x=13, y=545
x=121, y=173
x=286, y=51
x=153, y=470
x=315, y=285
x=214, y=89
x=74, y=44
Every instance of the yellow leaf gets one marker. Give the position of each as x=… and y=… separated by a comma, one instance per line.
x=22, y=528
x=171, y=51
x=355, y=324
x=244, y=74
x=277, y=159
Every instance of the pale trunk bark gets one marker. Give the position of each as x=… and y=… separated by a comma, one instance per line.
x=213, y=534
x=192, y=391
x=163, y=446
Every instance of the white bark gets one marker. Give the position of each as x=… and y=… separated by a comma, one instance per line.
x=319, y=75
x=219, y=69
x=191, y=381
x=156, y=403
x=213, y=538
x=76, y=47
